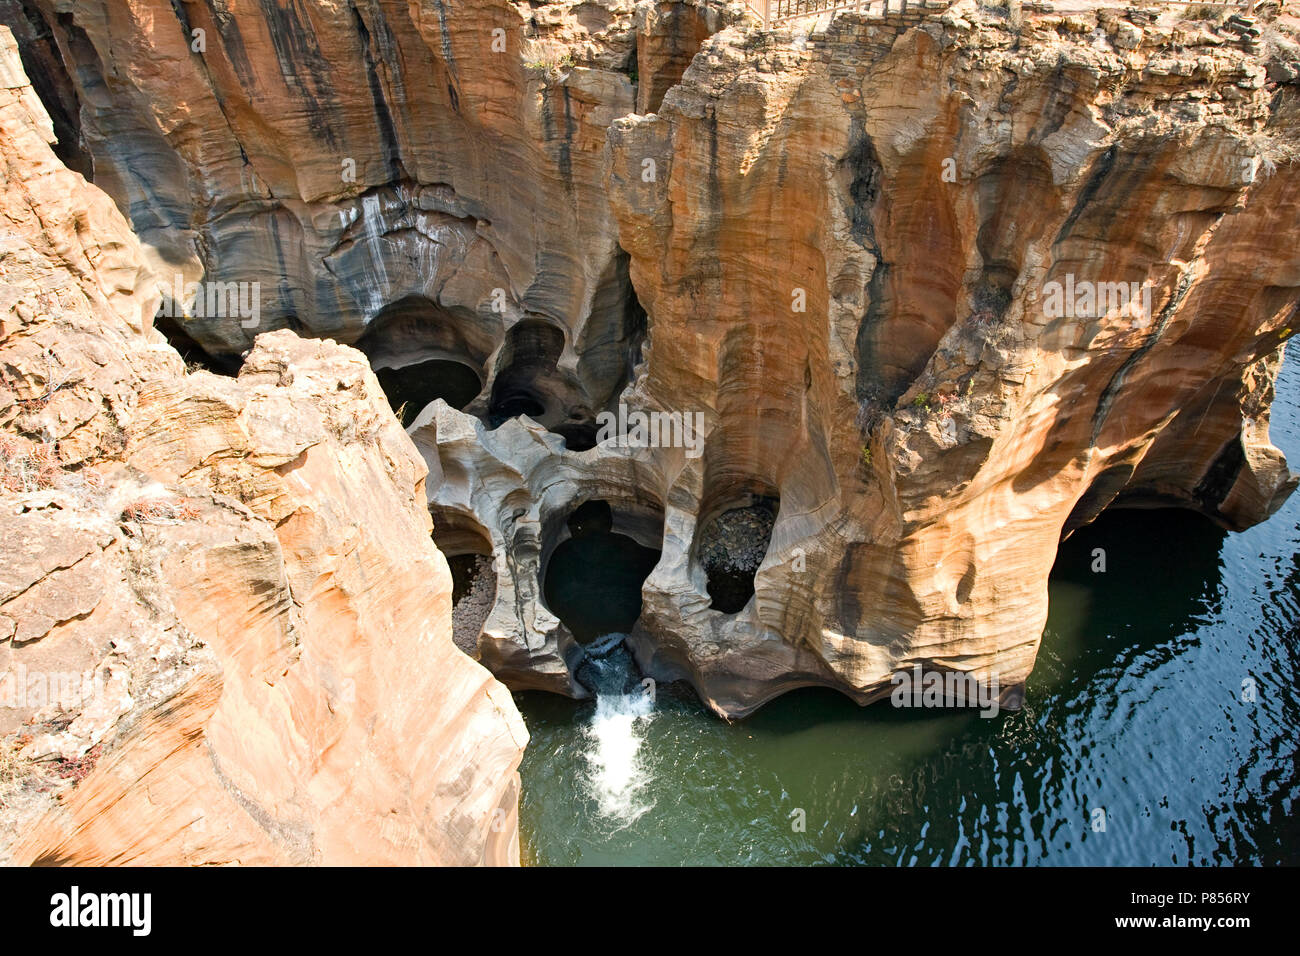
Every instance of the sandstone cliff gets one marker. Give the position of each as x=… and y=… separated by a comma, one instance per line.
x=224, y=629
x=839, y=248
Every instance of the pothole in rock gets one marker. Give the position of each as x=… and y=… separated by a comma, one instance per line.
x=473, y=591
x=577, y=435
x=732, y=546
x=421, y=352
x=191, y=352
x=526, y=381
x=530, y=382
x=411, y=388
x=593, y=580
x=468, y=550
x=511, y=403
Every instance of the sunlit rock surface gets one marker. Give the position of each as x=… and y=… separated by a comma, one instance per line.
x=225, y=633
x=839, y=249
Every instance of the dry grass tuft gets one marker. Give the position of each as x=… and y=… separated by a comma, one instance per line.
x=549, y=55
x=27, y=466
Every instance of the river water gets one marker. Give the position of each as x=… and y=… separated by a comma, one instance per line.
x=1135, y=745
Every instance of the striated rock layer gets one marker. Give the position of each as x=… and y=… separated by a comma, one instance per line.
x=225, y=633
x=838, y=250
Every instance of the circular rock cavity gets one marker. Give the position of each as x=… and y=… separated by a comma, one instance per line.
x=593, y=579
x=577, y=435
x=194, y=354
x=411, y=388
x=526, y=381
x=732, y=546
x=515, y=401
x=421, y=351
x=468, y=551
x=530, y=382
x=473, y=591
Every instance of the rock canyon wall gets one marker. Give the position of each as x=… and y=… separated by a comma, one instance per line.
x=225, y=632
x=866, y=257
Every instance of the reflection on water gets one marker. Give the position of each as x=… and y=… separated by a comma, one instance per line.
x=1134, y=708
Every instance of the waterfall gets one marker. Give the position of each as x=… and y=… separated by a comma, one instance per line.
x=616, y=773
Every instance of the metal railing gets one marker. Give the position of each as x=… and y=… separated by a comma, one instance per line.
x=783, y=11
x=772, y=12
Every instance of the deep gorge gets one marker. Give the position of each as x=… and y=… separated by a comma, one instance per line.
x=474, y=229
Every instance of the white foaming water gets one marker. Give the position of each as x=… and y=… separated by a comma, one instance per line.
x=616, y=772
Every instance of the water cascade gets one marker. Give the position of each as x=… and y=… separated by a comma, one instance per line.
x=616, y=771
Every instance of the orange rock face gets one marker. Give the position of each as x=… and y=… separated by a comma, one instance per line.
x=941, y=287
x=869, y=230
x=225, y=632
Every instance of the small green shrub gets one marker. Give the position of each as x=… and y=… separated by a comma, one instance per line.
x=546, y=55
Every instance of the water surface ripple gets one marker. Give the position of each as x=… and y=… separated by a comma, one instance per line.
x=1134, y=708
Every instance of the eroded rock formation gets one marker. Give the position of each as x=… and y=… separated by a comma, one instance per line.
x=840, y=249
x=225, y=633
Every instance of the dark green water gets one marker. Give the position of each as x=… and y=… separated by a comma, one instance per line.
x=1135, y=707
x=593, y=583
